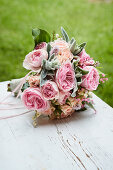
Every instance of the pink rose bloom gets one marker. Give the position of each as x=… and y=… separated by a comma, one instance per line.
x=63, y=97
x=33, y=60
x=33, y=100
x=61, y=44
x=91, y=80
x=65, y=55
x=65, y=77
x=34, y=81
x=67, y=111
x=85, y=59
x=50, y=90
x=42, y=45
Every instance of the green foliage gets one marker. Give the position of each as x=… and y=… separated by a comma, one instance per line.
x=79, y=48
x=25, y=86
x=64, y=34
x=40, y=35
x=18, y=17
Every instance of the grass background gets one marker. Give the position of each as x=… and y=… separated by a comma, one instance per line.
x=87, y=21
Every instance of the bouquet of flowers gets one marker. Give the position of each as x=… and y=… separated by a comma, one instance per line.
x=61, y=78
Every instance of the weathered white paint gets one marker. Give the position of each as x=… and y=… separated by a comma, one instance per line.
x=82, y=141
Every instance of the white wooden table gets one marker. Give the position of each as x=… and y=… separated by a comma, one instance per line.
x=83, y=141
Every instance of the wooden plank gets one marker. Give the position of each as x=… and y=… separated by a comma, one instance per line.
x=82, y=141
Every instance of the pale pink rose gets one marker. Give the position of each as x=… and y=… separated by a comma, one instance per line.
x=42, y=45
x=34, y=59
x=50, y=90
x=90, y=81
x=61, y=44
x=34, y=81
x=65, y=77
x=33, y=100
x=85, y=59
x=49, y=111
x=65, y=55
x=63, y=97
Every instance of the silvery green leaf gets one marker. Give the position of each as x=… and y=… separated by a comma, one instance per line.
x=25, y=86
x=75, y=62
x=74, y=91
x=42, y=82
x=79, y=81
x=51, y=65
x=72, y=47
x=90, y=105
x=77, y=51
x=51, y=57
x=82, y=45
x=84, y=72
x=48, y=47
x=76, y=57
x=43, y=74
x=72, y=40
x=79, y=48
x=64, y=34
x=78, y=75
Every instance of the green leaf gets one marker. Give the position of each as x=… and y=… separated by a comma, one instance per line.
x=79, y=49
x=64, y=34
x=48, y=49
x=82, y=45
x=78, y=75
x=40, y=35
x=75, y=63
x=73, y=46
x=72, y=40
x=79, y=81
x=90, y=105
x=84, y=72
x=50, y=65
x=25, y=86
x=51, y=57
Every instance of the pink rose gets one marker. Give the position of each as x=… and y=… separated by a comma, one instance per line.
x=63, y=97
x=85, y=59
x=33, y=60
x=66, y=111
x=34, y=81
x=42, y=45
x=33, y=100
x=65, y=55
x=50, y=90
x=61, y=44
x=65, y=77
x=91, y=80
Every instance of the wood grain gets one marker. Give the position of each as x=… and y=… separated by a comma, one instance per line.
x=82, y=141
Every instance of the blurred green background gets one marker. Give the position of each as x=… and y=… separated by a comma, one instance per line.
x=86, y=20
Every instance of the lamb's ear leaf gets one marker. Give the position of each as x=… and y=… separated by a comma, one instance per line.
x=25, y=86
x=51, y=57
x=64, y=34
x=72, y=40
x=79, y=49
x=84, y=72
x=43, y=77
x=73, y=46
x=40, y=35
x=91, y=106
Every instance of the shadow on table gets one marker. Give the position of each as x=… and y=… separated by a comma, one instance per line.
x=76, y=117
